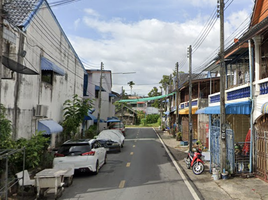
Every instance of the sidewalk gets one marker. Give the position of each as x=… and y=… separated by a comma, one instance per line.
x=237, y=188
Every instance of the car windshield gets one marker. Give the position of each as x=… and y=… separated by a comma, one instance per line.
x=74, y=148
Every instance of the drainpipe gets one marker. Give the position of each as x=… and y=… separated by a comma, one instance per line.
x=252, y=102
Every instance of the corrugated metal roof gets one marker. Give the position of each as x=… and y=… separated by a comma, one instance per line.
x=19, y=12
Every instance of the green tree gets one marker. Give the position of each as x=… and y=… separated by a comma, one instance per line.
x=140, y=116
x=165, y=81
x=74, y=112
x=131, y=83
x=5, y=127
x=153, y=93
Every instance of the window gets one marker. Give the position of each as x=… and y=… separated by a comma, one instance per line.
x=47, y=76
x=96, y=94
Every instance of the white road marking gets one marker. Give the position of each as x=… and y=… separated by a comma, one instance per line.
x=192, y=191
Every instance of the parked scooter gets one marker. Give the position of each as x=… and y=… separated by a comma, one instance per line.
x=194, y=160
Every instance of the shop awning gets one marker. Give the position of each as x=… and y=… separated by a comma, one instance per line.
x=185, y=111
x=264, y=108
x=48, y=65
x=49, y=126
x=239, y=108
x=90, y=116
x=209, y=110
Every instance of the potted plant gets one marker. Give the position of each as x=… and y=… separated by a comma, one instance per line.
x=178, y=136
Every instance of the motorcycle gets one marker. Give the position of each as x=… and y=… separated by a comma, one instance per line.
x=194, y=160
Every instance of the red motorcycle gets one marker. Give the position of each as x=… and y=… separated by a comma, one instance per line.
x=194, y=160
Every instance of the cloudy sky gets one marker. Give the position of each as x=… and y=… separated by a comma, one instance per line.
x=148, y=37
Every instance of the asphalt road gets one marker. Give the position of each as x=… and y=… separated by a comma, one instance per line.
x=141, y=171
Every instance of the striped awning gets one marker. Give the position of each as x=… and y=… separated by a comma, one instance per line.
x=264, y=108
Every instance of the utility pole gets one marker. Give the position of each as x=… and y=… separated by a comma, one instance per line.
x=122, y=107
x=177, y=96
x=169, y=101
x=190, y=99
x=99, y=106
x=222, y=90
x=1, y=47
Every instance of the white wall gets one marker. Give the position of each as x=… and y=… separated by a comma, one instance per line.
x=24, y=92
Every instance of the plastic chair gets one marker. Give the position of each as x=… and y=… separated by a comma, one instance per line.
x=27, y=180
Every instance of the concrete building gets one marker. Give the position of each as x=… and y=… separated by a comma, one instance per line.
x=40, y=70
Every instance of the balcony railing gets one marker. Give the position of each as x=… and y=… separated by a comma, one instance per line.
x=232, y=94
x=186, y=104
x=238, y=94
x=263, y=88
x=215, y=98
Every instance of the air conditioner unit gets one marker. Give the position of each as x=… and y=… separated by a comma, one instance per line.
x=41, y=111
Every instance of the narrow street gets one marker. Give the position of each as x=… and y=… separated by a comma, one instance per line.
x=143, y=170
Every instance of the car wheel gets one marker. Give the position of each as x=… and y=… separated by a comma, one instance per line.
x=122, y=145
x=97, y=168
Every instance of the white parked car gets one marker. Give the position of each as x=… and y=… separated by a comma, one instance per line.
x=86, y=155
x=112, y=134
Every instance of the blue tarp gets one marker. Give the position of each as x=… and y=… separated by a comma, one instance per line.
x=49, y=126
x=239, y=108
x=113, y=120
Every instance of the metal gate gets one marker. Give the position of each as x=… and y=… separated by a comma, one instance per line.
x=262, y=154
x=215, y=143
x=215, y=146
x=230, y=165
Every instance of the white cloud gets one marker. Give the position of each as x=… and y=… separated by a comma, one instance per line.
x=203, y=3
x=76, y=23
x=92, y=12
x=149, y=47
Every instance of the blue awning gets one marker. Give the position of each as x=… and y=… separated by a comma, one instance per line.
x=209, y=110
x=49, y=126
x=264, y=108
x=239, y=108
x=98, y=88
x=47, y=65
x=166, y=113
x=90, y=116
x=112, y=95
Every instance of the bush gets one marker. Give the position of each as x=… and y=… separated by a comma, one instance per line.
x=153, y=118
x=91, y=132
x=144, y=121
x=159, y=121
